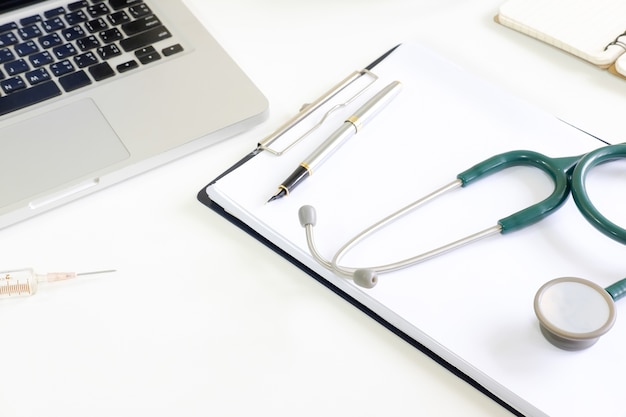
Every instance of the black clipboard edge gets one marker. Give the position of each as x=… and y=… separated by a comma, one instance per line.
x=381, y=58
x=204, y=199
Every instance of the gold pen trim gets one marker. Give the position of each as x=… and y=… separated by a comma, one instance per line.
x=356, y=122
x=307, y=167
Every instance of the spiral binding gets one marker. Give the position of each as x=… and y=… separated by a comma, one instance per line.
x=617, y=42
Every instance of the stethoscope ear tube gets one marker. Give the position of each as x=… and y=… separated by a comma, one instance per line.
x=579, y=190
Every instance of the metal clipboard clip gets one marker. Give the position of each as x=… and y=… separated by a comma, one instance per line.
x=308, y=109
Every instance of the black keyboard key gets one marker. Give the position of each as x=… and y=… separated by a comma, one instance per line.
x=73, y=33
x=127, y=66
x=37, y=76
x=52, y=25
x=145, y=38
x=85, y=60
x=145, y=51
x=108, y=51
x=148, y=59
x=29, y=96
x=8, y=27
x=140, y=10
x=75, y=18
x=50, y=41
x=41, y=58
x=87, y=43
x=77, y=5
x=118, y=18
x=30, y=20
x=101, y=71
x=110, y=35
x=120, y=4
x=61, y=68
x=171, y=50
x=26, y=48
x=96, y=25
x=16, y=67
x=12, y=85
x=74, y=81
x=141, y=25
x=147, y=55
x=7, y=39
x=63, y=51
x=6, y=55
x=97, y=10
x=29, y=32
x=49, y=14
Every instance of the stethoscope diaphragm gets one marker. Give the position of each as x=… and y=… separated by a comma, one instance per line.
x=573, y=312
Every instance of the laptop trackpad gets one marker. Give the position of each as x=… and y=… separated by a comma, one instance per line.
x=55, y=148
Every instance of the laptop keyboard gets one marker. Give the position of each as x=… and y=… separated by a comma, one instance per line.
x=74, y=46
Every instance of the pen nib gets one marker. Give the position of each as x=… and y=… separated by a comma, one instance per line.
x=280, y=194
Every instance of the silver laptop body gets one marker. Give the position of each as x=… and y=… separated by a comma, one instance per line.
x=130, y=105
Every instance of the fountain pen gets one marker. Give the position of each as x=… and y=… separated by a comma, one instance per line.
x=349, y=128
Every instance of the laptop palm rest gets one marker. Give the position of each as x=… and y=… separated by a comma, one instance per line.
x=50, y=150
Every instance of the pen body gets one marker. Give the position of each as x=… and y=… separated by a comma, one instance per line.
x=374, y=105
x=329, y=146
x=351, y=126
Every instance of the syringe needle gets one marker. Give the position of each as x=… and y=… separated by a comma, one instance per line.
x=107, y=271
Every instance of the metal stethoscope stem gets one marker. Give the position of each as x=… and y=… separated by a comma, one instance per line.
x=368, y=276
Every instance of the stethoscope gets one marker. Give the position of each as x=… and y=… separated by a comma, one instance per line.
x=572, y=312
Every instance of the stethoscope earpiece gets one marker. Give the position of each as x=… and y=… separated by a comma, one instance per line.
x=573, y=312
x=366, y=278
x=307, y=216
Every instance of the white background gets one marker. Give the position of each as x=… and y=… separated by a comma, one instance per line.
x=201, y=319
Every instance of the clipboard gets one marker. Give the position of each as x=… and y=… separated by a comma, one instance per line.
x=203, y=197
x=437, y=90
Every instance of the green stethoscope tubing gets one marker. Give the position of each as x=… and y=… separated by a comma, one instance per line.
x=579, y=190
x=557, y=168
x=566, y=173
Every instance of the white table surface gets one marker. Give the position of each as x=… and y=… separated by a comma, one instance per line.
x=202, y=320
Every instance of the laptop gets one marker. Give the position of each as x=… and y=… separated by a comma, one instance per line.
x=93, y=92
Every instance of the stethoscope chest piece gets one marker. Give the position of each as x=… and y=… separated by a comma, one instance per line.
x=573, y=312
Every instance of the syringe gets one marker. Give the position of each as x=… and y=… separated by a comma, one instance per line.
x=24, y=282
